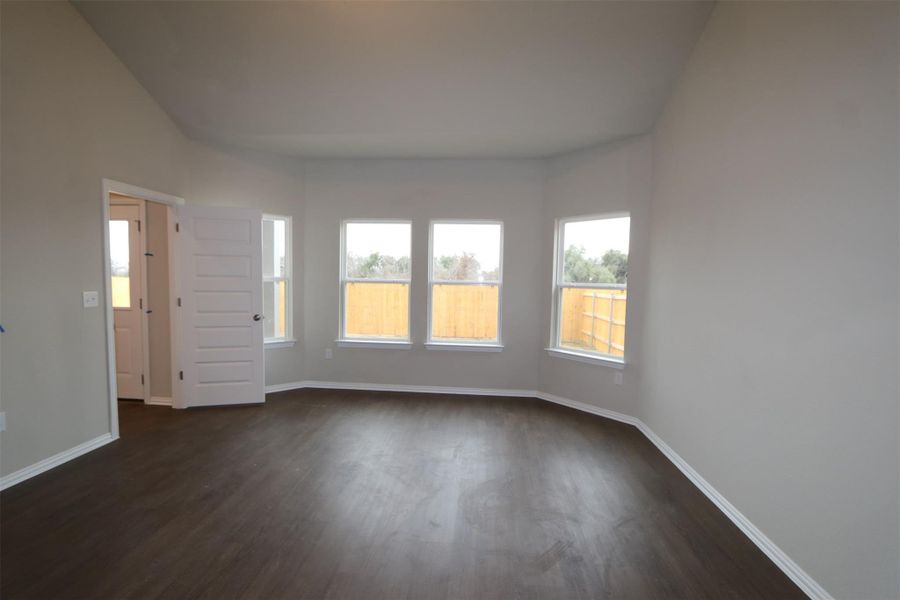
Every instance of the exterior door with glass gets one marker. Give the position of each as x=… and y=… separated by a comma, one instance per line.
x=125, y=258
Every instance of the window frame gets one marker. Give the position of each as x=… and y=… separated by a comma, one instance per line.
x=361, y=342
x=472, y=345
x=555, y=348
x=288, y=340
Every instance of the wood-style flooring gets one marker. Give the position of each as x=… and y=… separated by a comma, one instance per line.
x=360, y=495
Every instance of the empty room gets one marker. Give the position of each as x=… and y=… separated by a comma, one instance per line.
x=446, y=300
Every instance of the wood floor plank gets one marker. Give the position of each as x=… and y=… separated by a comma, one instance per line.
x=344, y=495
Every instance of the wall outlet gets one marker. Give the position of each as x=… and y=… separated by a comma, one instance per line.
x=2, y=421
x=618, y=377
x=90, y=299
x=329, y=353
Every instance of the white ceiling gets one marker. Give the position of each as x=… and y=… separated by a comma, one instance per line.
x=405, y=79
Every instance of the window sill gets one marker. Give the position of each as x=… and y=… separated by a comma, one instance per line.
x=464, y=347
x=398, y=345
x=583, y=357
x=286, y=343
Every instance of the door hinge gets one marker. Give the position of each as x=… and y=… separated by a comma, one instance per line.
x=181, y=375
x=179, y=302
x=142, y=379
x=139, y=226
x=177, y=228
x=140, y=303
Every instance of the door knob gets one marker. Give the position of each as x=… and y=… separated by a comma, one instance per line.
x=257, y=317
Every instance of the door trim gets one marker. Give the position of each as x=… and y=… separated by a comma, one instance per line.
x=111, y=186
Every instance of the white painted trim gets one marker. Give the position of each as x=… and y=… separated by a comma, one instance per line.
x=387, y=387
x=584, y=357
x=429, y=340
x=790, y=568
x=362, y=343
x=589, y=408
x=111, y=186
x=160, y=401
x=288, y=278
x=343, y=279
x=279, y=343
x=464, y=347
x=55, y=460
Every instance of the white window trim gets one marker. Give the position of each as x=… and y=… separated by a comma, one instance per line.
x=464, y=345
x=362, y=342
x=554, y=348
x=274, y=343
x=372, y=343
x=584, y=357
x=286, y=341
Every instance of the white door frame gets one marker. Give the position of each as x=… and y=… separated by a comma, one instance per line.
x=117, y=187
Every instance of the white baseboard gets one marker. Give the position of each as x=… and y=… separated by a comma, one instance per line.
x=800, y=577
x=589, y=408
x=382, y=387
x=790, y=568
x=54, y=461
x=160, y=401
x=769, y=548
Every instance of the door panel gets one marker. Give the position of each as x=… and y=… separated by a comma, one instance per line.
x=220, y=252
x=126, y=259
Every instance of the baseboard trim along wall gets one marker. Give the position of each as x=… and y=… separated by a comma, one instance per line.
x=160, y=401
x=790, y=568
x=381, y=387
x=775, y=554
x=54, y=461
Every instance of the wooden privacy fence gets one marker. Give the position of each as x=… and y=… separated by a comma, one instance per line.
x=459, y=311
x=377, y=310
x=464, y=311
x=593, y=319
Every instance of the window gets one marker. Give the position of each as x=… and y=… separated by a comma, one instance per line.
x=465, y=277
x=590, y=294
x=120, y=262
x=375, y=273
x=277, y=293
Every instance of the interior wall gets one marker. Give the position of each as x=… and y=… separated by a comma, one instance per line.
x=71, y=115
x=422, y=190
x=770, y=346
x=610, y=178
x=158, y=300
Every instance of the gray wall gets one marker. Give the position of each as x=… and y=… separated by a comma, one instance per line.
x=611, y=178
x=770, y=346
x=72, y=115
x=764, y=206
x=510, y=191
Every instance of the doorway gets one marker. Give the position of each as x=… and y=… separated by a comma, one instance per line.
x=139, y=267
x=140, y=284
x=184, y=307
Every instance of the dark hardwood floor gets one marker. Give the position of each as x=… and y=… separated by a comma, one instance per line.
x=325, y=494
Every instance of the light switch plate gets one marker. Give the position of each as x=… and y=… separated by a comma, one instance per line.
x=90, y=299
x=618, y=378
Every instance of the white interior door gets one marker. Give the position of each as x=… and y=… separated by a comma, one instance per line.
x=126, y=261
x=221, y=342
